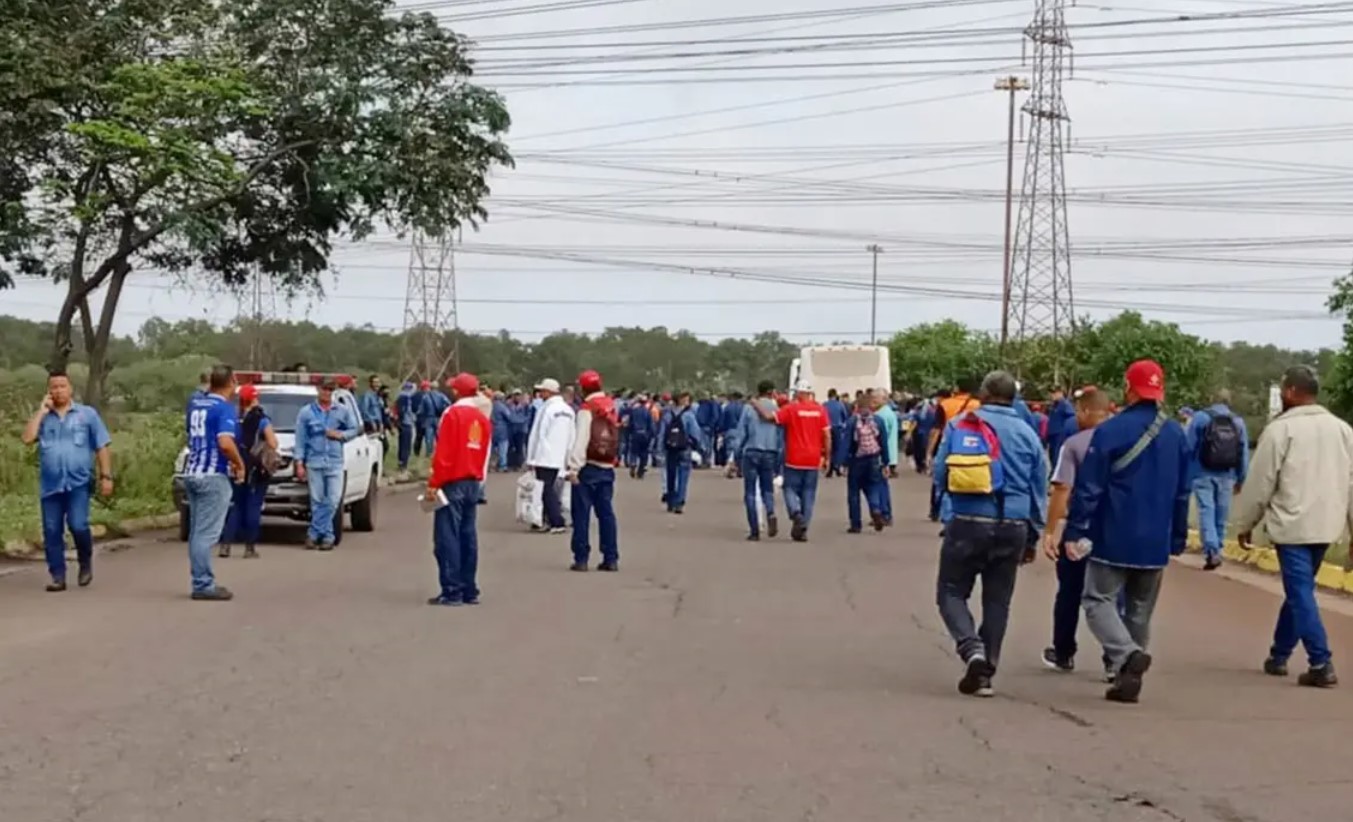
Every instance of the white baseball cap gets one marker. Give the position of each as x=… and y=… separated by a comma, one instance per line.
x=803, y=387
x=550, y=385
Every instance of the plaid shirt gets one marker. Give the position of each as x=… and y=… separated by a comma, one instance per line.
x=867, y=436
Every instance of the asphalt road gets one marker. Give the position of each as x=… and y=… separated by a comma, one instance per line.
x=711, y=679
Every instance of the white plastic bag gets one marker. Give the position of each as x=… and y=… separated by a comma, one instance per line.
x=529, y=500
x=565, y=498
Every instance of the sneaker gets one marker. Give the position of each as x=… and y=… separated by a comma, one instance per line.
x=470, y=600
x=326, y=545
x=448, y=602
x=772, y=527
x=539, y=529
x=86, y=577
x=581, y=567
x=223, y=552
x=250, y=552
x=977, y=677
x=557, y=531
x=1212, y=564
x=310, y=544
x=753, y=537
x=218, y=594
x=853, y=530
x=1275, y=667
x=1056, y=663
x=56, y=586
x=1127, y=687
x=1110, y=675
x=610, y=567
x=1321, y=677
x=679, y=510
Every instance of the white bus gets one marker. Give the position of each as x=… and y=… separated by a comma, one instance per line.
x=847, y=368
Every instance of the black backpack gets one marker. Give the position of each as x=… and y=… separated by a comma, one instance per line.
x=1221, y=446
x=676, y=438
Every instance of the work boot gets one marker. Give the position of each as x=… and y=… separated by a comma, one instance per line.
x=1128, y=686
x=580, y=567
x=798, y=531
x=877, y=521
x=250, y=552
x=223, y=551
x=753, y=537
x=86, y=577
x=56, y=586
x=217, y=594
x=1212, y=564
x=1275, y=667
x=772, y=527
x=1320, y=677
x=609, y=566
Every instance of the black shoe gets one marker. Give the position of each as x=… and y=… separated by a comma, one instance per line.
x=888, y=522
x=976, y=679
x=610, y=567
x=798, y=530
x=753, y=537
x=86, y=577
x=483, y=502
x=1322, y=677
x=877, y=521
x=853, y=530
x=310, y=544
x=772, y=527
x=679, y=510
x=223, y=552
x=1275, y=667
x=217, y=594
x=448, y=602
x=1057, y=663
x=801, y=536
x=56, y=586
x=578, y=566
x=474, y=600
x=326, y=546
x=250, y=552
x=1212, y=564
x=1127, y=687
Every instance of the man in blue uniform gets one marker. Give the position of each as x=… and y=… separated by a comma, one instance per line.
x=321, y=429
x=213, y=461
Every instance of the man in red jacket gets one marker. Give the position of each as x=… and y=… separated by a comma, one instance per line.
x=458, y=464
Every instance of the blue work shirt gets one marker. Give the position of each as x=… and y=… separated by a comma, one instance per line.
x=837, y=413
x=1022, y=408
x=66, y=447
x=640, y=420
x=1136, y=517
x=732, y=416
x=313, y=448
x=406, y=407
x=755, y=432
x=501, y=421
x=373, y=409
x=1062, y=425
x=425, y=409
x=1023, y=464
x=1198, y=426
x=209, y=417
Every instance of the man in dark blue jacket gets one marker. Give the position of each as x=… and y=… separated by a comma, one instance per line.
x=639, y=422
x=730, y=419
x=1061, y=424
x=707, y=414
x=1129, y=508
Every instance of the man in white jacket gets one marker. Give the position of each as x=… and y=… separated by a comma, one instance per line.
x=547, y=449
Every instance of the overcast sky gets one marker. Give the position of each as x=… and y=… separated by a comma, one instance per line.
x=1206, y=177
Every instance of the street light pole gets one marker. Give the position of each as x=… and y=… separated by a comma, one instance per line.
x=1011, y=84
x=876, y=250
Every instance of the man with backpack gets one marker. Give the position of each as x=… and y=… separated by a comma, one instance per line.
x=591, y=469
x=992, y=466
x=681, y=434
x=1220, y=449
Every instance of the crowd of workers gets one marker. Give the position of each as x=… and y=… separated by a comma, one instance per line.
x=1103, y=491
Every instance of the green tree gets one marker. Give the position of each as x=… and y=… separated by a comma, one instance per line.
x=225, y=140
x=926, y=358
x=1102, y=353
x=1340, y=385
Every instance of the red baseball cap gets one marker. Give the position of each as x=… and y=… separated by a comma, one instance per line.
x=248, y=393
x=465, y=385
x=1146, y=379
x=425, y=385
x=589, y=381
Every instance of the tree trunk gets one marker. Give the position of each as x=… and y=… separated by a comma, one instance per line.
x=96, y=343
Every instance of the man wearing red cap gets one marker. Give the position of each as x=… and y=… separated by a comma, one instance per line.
x=246, y=511
x=1129, y=511
x=591, y=469
x=458, y=465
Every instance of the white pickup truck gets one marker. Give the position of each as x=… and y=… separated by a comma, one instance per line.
x=282, y=397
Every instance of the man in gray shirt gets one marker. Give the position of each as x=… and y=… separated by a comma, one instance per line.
x=1092, y=408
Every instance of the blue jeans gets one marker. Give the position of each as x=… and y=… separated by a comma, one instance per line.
x=678, y=478
x=840, y=450
x=455, y=541
x=208, y=501
x=800, y=493
x=864, y=476
x=640, y=442
x=1299, y=618
x=758, y=468
x=1214, y=509
x=67, y=509
x=885, y=495
x=405, y=445
x=326, y=494
x=245, y=518
x=501, y=445
x=595, y=490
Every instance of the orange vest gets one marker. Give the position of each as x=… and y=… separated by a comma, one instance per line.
x=957, y=405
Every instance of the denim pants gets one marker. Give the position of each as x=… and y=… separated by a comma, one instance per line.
x=595, y=491
x=208, y=501
x=501, y=446
x=864, y=475
x=549, y=495
x=974, y=549
x=1120, y=626
x=1214, y=509
x=1299, y=618
x=245, y=518
x=885, y=494
x=840, y=450
x=517, y=450
x=638, y=452
x=758, y=469
x=455, y=540
x=60, y=511
x=800, y=491
x=678, y=478
x=326, y=494
x=405, y=445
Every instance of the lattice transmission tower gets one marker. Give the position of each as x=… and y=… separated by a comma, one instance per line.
x=1040, y=268
x=257, y=308
x=430, y=309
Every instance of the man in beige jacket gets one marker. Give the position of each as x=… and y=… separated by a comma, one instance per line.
x=1299, y=485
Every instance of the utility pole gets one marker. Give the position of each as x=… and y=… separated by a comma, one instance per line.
x=1011, y=84
x=876, y=250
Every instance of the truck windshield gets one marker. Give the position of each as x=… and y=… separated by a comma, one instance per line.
x=283, y=409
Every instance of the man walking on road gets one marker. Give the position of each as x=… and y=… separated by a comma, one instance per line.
x=213, y=461
x=866, y=461
x=837, y=414
x=681, y=435
x=591, y=466
x=1129, y=510
x=807, y=452
x=1300, y=481
x=758, y=437
x=464, y=438
x=548, y=447
x=406, y=415
x=321, y=429
x=71, y=438
x=1220, y=449
x=887, y=417
x=993, y=467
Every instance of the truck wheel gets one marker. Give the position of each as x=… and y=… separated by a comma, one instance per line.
x=364, y=510
x=185, y=523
